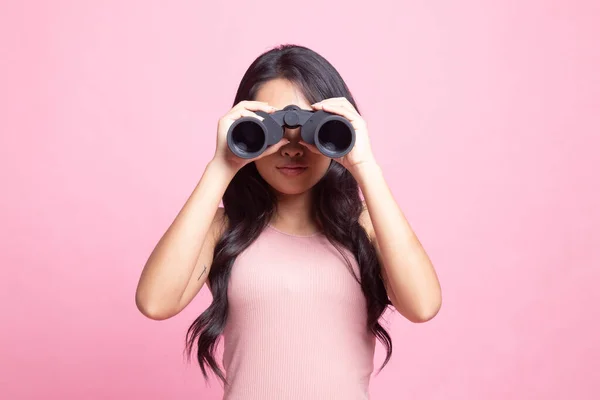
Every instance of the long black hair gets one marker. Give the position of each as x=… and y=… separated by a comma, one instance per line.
x=249, y=203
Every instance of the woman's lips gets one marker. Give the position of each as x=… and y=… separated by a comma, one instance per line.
x=292, y=170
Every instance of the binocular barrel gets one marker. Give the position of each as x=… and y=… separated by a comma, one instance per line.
x=332, y=134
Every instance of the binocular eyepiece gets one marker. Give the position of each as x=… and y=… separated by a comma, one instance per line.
x=332, y=134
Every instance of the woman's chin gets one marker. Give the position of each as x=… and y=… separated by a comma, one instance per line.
x=291, y=190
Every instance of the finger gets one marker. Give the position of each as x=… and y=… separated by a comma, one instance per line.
x=338, y=101
x=242, y=112
x=341, y=101
x=310, y=147
x=340, y=110
x=348, y=106
x=274, y=148
x=255, y=106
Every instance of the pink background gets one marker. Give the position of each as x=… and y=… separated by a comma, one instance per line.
x=484, y=115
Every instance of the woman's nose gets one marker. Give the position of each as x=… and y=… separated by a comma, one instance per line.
x=293, y=149
x=293, y=135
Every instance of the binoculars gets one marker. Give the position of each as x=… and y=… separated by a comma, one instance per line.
x=332, y=134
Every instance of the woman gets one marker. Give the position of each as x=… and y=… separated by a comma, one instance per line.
x=300, y=268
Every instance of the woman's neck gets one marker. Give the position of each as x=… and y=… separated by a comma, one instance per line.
x=295, y=214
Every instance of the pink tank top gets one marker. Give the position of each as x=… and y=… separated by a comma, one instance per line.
x=297, y=323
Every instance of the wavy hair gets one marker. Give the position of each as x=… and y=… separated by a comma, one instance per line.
x=249, y=203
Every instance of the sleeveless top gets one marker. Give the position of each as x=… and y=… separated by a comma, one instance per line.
x=297, y=323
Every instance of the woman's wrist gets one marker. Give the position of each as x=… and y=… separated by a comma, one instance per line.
x=221, y=169
x=364, y=170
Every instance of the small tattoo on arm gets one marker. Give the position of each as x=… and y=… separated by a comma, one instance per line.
x=203, y=271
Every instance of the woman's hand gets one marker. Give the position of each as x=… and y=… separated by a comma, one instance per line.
x=223, y=155
x=361, y=152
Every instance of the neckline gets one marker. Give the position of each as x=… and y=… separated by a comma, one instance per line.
x=292, y=235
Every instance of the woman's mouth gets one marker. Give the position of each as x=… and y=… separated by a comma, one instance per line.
x=292, y=170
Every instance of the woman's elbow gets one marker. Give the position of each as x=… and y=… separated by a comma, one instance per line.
x=428, y=312
x=425, y=311
x=152, y=310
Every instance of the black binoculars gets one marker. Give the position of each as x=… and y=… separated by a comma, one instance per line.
x=332, y=134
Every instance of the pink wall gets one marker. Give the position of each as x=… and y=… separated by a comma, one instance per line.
x=483, y=114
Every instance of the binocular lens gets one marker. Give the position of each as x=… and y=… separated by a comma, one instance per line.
x=335, y=136
x=248, y=136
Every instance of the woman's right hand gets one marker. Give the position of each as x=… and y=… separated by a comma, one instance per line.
x=246, y=108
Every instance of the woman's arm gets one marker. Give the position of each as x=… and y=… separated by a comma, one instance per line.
x=409, y=276
x=168, y=282
x=411, y=280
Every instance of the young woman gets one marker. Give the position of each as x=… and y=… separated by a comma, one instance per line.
x=299, y=267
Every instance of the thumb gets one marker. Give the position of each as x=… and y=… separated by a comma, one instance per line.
x=274, y=148
x=310, y=147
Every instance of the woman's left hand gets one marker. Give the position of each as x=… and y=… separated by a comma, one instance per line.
x=361, y=152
